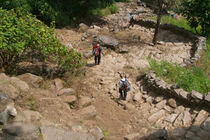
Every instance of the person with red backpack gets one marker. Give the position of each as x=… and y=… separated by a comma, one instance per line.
x=97, y=50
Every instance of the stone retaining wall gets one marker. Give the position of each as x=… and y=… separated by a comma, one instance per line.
x=199, y=42
x=171, y=90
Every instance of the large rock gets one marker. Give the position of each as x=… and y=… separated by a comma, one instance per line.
x=10, y=90
x=66, y=91
x=83, y=27
x=20, y=131
x=156, y=116
x=172, y=103
x=9, y=112
x=171, y=118
x=88, y=54
x=97, y=133
x=4, y=78
x=88, y=112
x=22, y=85
x=107, y=41
x=187, y=120
x=134, y=136
x=59, y=84
x=84, y=101
x=31, y=79
x=53, y=133
x=207, y=97
x=28, y=116
x=70, y=99
x=206, y=124
x=161, y=104
x=196, y=95
x=201, y=117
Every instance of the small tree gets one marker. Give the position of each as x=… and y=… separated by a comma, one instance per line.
x=162, y=6
x=197, y=12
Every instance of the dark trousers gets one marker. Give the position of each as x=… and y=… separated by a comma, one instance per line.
x=123, y=94
x=97, y=59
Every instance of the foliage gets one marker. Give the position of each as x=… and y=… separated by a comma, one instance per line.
x=189, y=79
x=63, y=12
x=24, y=38
x=198, y=14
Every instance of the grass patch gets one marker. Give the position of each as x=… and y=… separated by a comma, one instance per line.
x=180, y=22
x=105, y=11
x=193, y=78
x=32, y=104
x=106, y=134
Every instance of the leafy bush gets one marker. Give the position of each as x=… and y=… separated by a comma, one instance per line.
x=24, y=38
x=188, y=79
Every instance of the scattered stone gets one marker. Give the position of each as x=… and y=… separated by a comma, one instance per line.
x=84, y=101
x=22, y=85
x=178, y=121
x=53, y=133
x=149, y=100
x=179, y=109
x=171, y=118
x=161, y=104
x=172, y=103
x=83, y=27
x=10, y=90
x=97, y=133
x=66, y=91
x=87, y=54
x=179, y=132
x=161, y=134
x=3, y=97
x=31, y=79
x=200, y=118
x=21, y=131
x=59, y=83
x=158, y=99
x=196, y=95
x=206, y=124
x=187, y=118
x=134, y=136
x=88, y=112
x=108, y=41
x=207, y=97
x=70, y=99
x=4, y=78
x=153, y=118
x=129, y=106
x=137, y=97
x=168, y=108
x=9, y=112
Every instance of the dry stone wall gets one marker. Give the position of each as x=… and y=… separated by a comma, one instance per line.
x=172, y=90
x=199, y=42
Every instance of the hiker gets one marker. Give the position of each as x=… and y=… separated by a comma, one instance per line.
x=131, y=19
x=124, y=86
x=97, y=50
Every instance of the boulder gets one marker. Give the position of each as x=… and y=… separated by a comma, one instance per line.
x=53, y=133
x=187, y=120
x=84, y=101
x=22, y=85
x=10, y=90
x=66, y=91
x=196, y=95
x=156, y=116
x=201, y=117
x=70, y=99
x=83, y=27
x=107, y=41
x=20, y=131
x=137, y=97
x=207, y=97
x=4, y=78
x=171, y=118
x=31, y=79
x=134, y=136
x=206, y=124
x=97, y=133
x=88, y=112
x=172, y=103
x=59, y=84
x=161, y=104
x=88, y=54
x=9, y=112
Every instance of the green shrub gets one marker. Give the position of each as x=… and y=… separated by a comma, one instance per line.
x=189, y=79
x=24, y=38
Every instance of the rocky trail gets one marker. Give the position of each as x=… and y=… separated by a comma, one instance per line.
x=88, y=107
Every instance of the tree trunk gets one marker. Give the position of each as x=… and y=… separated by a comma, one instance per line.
x=157, y=27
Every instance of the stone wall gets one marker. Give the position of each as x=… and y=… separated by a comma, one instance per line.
x=199, y=42
x=171, y=90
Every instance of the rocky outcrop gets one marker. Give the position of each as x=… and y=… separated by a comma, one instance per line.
x=107, y=41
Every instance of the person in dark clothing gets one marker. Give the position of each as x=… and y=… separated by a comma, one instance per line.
x=124, y=86
x=131, y=19
x=97, y=50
